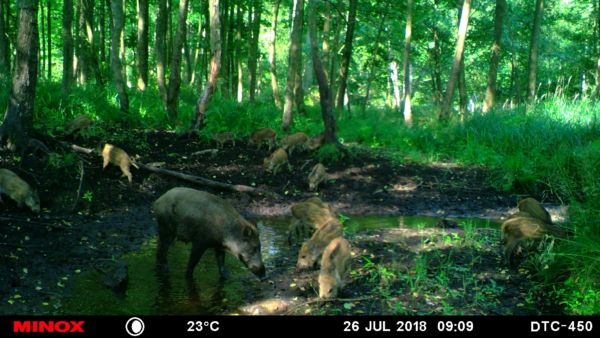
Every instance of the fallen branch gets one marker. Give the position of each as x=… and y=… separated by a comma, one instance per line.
x=209, y=183
x=212, y=152
x=81, y=172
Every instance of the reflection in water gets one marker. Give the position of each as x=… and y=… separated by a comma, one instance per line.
x=155, y=293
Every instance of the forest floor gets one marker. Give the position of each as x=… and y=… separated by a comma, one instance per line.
x=395, y=270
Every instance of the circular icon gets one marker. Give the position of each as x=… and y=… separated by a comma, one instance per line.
x=134, y=326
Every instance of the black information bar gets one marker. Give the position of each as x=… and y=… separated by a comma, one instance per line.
x=308, y=327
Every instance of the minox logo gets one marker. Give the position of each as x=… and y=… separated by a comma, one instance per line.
x=60, y=326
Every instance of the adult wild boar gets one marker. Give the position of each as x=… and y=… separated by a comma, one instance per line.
x=535, y=209
x=307, y=216
x=262, y=136
x=18, y=190
x=208, y=222
x=316, y=176
x=335, y=266
x=118, y=157
x=294, y=141
x=311, y=250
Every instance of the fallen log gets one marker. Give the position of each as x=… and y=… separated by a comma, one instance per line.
x=209, y=183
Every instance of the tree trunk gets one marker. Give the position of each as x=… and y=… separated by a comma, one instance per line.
x=49, y=29
x=460, y=43
x=322, y=80
x=393, y=71
x=67, y=38
x=533, y=51
x=326, y=31
x=160, y=48
x=43, y=38
x=515, y=83
x=175, y=75
x=238, y=53
x=223, y=69
x=91, y=40
x=334, y=56
x=307, y=69
x=187, y=57
x=293, y=64
x=115, y=52
x=371, y=65
x=102, y=31
x=490, y=92
x=253, y=48
x=123, y=48
x=231, y=69
x=18, y=120
x=346, y=55
x=4, y=49
x=596, y=94
x=462, y=83
x=141, y=61
x=436, y=56
x=197, y=51
x=215, y=64
x=408, y=120
x=273, y=59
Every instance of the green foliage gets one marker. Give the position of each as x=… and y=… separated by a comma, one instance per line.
x=329, y=153
x=88, y=196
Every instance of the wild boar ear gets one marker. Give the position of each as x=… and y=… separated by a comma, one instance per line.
x=335, y=251
x=248, y=231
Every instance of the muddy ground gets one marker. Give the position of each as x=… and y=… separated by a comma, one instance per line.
x=41, y=254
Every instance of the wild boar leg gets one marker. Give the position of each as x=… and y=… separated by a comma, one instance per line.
x=165, y=239
x=198, y=249
x=220, y=255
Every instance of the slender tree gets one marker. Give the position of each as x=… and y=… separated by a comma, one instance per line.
x=393, y=78
x=102, y=31
x=17, y=125
x=238, y=51
x=49, y=29
x=346, y=55
x=87, y=55
x=326, y=31
x=436, y=64
x=215, y=64
x=408, y=120
x=372, y=61
x=141, y=60
x=224, y=73
x=160, y=46
x=462, y=82
x=490, y=92
x=4, y=49
x=253, y=48
x=67, y=38
x=273, y=57
x=321, y=74
x=533, y=50
x=293, y=65
x=460, y=43
x=116, y=64
x=175, y=75
x=596, y=94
